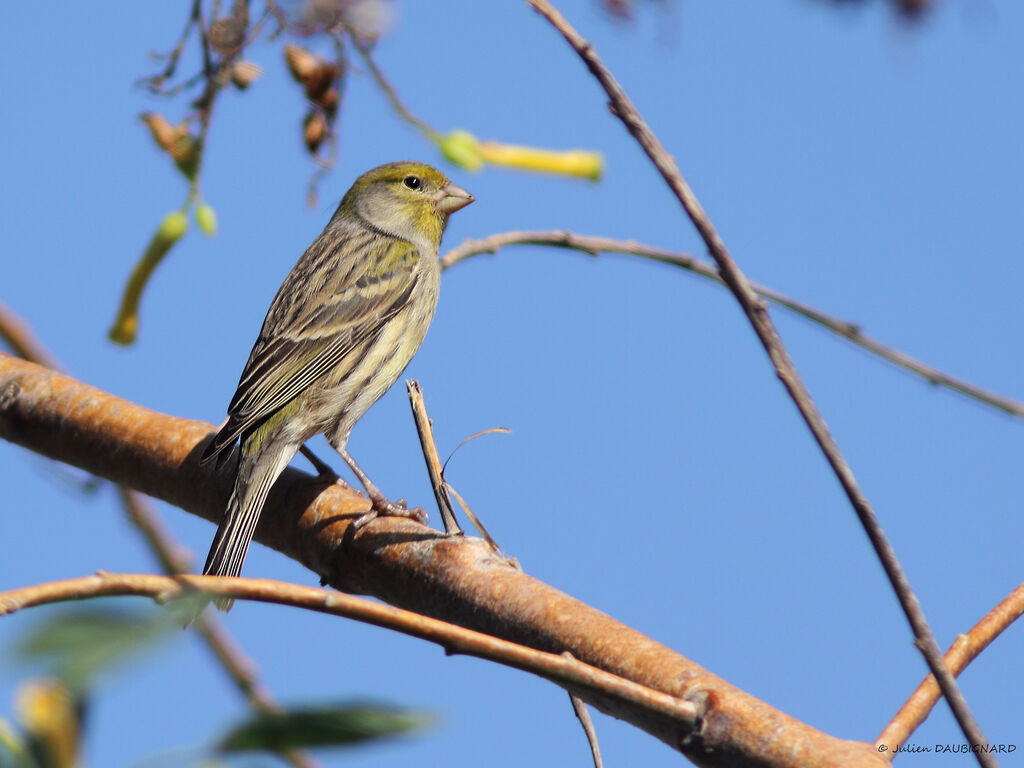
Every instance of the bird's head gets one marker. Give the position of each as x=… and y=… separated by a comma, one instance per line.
x=405, y=199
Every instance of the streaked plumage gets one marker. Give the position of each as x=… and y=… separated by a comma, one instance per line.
x=341, y=329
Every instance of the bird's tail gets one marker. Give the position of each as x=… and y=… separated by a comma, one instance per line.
x=255, y=477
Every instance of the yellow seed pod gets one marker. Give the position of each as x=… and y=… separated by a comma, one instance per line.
x=573, y=162
x=173, y=226
x=206, y=218
x=462, y=149
x=170, y=231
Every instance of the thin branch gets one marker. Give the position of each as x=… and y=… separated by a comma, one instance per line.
x=563, y=670
x=366, y=53
x=484, y=534
x=455, y=579
x=850, y=331
x=443, y=491
x=433, y=461
x=172, y=557
x=579, y=707
x=155, y=83
x=963, y=651
x=22, y=340
x=583, y=715
x=757, y=313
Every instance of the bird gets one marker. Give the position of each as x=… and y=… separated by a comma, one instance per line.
x=343, y=326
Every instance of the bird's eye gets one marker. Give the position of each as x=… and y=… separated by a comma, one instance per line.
x=412, y=182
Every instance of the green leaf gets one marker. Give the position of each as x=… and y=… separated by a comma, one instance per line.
x=12, y=749
x=82, y=643
x=326, y=726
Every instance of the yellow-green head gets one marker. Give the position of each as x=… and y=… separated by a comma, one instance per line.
x=408, y=200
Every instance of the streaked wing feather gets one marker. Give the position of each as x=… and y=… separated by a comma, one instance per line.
x=316, y=339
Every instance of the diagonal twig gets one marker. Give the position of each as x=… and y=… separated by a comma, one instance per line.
x=579, y=708
x=22, y=340
x=757, y=313
x=850, y=331
x=563, y=669
x=365, y=50
x=963, y=651
x=426, y=434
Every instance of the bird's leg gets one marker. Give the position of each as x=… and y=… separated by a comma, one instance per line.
x=322, y=467
x=381, y=506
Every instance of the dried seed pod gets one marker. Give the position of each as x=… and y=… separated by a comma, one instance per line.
x=329, y=102
x=301, y=63
x=321, y=80
x=244, y=74
x=227, y=34
x=164, y=134
x=314, y=130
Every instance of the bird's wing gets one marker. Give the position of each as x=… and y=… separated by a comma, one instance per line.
x=303, y=339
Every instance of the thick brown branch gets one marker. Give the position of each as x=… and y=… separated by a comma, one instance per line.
x=757, y=313
x=458, y=580
x=594, y=246
x=964, y=650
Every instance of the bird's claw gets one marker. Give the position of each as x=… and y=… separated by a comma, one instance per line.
x=384, y=508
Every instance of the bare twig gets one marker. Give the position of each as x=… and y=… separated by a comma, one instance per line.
x=564, y=670
x=456, y=579
x=583, y=715
x=155, y=83
x=366, y=53
x=757, y=313
x=850, y=331
x=476, y=522
x=579, y=707
x=442, y=488
x=963, y=651
x=173, y=558
x=426, y=435
x=22, y=340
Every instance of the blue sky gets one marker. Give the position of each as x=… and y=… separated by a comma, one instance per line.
x=656, y=468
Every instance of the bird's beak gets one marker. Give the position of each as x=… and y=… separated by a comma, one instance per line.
x=453, y=199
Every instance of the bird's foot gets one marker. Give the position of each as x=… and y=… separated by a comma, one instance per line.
x=384, y=508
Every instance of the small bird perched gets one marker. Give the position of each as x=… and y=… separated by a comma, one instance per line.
x=341, y=329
